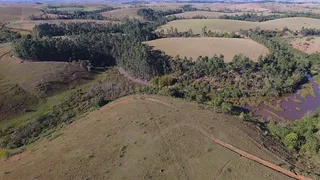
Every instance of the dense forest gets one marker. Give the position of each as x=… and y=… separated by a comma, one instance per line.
x=117, y=45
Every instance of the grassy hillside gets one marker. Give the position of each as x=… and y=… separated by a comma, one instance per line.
x=195, y=47
x=24, y=83
x=225, y=25
x=122, y=13
x=143, y=137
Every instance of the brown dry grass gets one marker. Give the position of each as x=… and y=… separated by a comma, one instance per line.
x=305, y=45
x=195, y=47
x=233, y=25
x=16, y=13
x=248, y=7
x=306, y=7
x=135, y=138
x=122, y=13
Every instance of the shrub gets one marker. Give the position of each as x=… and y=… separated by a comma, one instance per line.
x=162, y=81
x=291, y=140
x=226, y=107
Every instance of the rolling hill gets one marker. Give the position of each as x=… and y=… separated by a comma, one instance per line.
x=148, y=137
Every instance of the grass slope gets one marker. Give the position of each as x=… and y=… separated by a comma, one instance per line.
x=195, y=47
x=23, y=83
x=143, y=137
x=225, y=25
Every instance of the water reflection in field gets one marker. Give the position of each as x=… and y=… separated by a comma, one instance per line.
x=290, y=107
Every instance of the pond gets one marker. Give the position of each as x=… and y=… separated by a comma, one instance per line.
x=289, y=107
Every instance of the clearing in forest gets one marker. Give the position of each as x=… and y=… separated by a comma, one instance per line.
x=307, y=44
x=139, y=137
x=208, y=46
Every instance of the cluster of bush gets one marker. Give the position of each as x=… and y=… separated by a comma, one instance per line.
x=301, y=136
x=7, y=35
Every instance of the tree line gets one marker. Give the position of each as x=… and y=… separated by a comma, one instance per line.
x=120, y=45
x=310, y=31
x=78, y=14
x=154, y=15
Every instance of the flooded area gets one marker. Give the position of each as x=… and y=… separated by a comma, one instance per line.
x=290, y=107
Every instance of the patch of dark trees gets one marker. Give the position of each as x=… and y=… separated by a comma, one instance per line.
x=310, y=32
x=260, y=18
x=155, y=15
x=7, y=35
x=118, y=45
x=94, y=15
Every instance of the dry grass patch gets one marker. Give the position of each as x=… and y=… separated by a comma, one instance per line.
x=225, y=25
x=122, y=13
x=16, y=13
x=248, y=7
x=195, y=47
x=307, y=44
x=295, y=23
x=212, y=24
x=150, y=136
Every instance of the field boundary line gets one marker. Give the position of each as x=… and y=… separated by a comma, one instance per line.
x=243, y=153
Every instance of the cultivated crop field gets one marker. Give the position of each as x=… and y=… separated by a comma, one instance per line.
x=146, y=136
x=225, y=25
x=195, y=47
